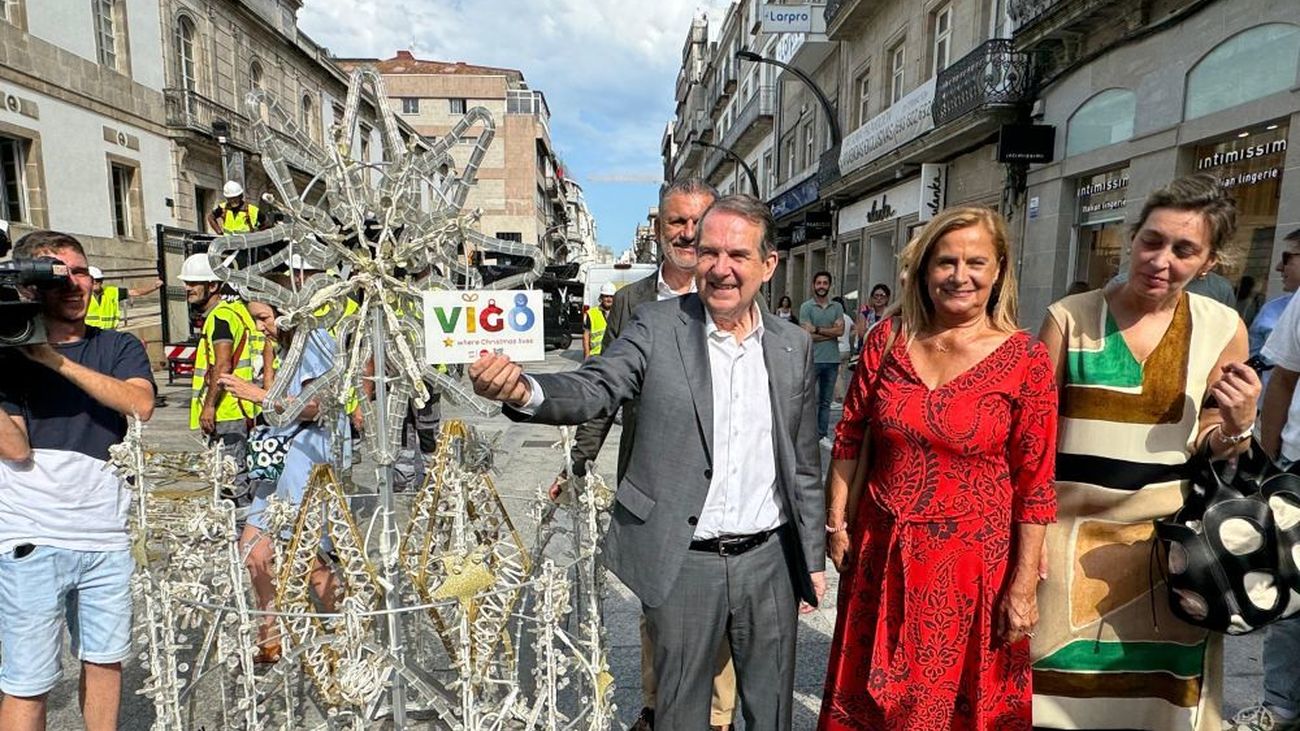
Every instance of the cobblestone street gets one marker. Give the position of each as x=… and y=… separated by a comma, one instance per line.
x=525, y=461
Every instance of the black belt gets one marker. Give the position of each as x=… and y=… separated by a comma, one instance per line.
x=733, y=545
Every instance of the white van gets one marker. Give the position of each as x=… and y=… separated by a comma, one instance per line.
x=620, y=274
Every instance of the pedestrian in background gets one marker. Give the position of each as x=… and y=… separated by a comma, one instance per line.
x=1149, y=374
x=939, y=488
x=105, y=309
x=784, y=311
x=824, y=321
x=872, y=312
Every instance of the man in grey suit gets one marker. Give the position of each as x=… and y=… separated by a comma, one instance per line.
x=717, y=525
x=681, y=204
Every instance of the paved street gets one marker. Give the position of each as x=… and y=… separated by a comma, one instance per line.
x=526, y=460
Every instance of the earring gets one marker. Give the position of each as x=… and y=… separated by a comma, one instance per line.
x=1203, y=274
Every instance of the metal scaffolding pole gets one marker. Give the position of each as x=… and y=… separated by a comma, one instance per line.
x=389, y=539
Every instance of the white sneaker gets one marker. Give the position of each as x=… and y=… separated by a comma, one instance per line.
x=1260, y=718
x=826, y=442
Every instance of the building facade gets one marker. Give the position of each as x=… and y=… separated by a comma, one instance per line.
x=520, y=193
x=917, y=99
x=82, y=146
x=1145, y=95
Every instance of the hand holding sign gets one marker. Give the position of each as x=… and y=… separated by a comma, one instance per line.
x=498, y=378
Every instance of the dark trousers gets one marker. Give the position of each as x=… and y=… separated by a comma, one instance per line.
x=748, y=600
x=826, y=375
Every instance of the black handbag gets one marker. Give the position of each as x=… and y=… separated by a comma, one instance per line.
x=1231, y=551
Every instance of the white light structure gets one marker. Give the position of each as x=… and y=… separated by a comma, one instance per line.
x=443, y=616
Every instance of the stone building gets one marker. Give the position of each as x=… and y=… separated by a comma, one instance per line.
x=579, y=227
x=1141, y=94
x=520, y=191
x=215, y=53
x=82, y=145
x=924, y=95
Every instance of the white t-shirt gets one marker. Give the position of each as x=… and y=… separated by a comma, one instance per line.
x=846, y=340
x=1283, y=349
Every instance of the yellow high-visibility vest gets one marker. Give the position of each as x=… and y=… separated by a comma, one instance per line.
x=105, y=310
x=238, y=222
x=598, y=324
x=229, y=408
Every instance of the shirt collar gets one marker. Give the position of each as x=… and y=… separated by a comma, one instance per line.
x=665, y=289
x=712, y=330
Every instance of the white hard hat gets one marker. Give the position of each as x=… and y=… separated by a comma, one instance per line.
x=232, y=189
x=608, y=289
x=96, y=273
x=197, y=269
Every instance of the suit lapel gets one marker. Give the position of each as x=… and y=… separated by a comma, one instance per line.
x=777, y=357
x=691, y=342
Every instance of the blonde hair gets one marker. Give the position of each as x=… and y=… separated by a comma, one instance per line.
x=917, y=309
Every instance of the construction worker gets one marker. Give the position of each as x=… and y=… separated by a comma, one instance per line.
x=225, y=346
x=593, y=323
x=105, y=310
x=234, y=216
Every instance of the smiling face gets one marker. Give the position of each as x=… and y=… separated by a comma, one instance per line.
x=67, y=303
x=678, y=227
x=961, y=272
x=821, y=285
x=731, y=264
x=1170, y=249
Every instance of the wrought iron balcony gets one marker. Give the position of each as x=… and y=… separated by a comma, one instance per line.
x=832, y=9
x=187, y=109
x=992, y=75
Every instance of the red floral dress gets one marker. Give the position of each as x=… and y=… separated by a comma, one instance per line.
x=951, y=471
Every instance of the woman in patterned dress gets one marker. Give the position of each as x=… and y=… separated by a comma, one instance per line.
x=1149, y=374
x=938, y=548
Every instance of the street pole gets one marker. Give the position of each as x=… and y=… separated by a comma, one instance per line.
x=389, y=539
x=831, y=117
x=749, y=172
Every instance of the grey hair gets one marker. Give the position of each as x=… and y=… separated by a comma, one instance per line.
x=751, y=209
x=686, y=186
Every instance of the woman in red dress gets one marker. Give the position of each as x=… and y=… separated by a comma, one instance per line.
x=938, y=547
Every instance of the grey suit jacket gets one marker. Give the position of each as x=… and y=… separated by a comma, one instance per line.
x=661, y=358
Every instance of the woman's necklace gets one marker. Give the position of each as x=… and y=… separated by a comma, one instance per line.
x=935, y=343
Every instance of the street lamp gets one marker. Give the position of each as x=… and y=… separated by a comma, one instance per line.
x=831, y=117
x=749, y=172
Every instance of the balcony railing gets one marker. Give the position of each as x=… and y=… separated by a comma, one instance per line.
x=187, y=109
x=992, y=75
x=1025, y=12
x=832, y=9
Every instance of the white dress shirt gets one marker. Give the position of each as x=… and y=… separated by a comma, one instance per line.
x=664, y=292
x=742, y=496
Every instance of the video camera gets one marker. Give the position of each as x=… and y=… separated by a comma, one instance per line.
x=20, y=318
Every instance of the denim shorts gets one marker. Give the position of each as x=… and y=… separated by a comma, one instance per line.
x=90, y=590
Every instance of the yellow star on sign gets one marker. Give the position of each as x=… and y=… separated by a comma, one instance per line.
x=448, y=342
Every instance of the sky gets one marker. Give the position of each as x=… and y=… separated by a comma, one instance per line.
x=608, y=69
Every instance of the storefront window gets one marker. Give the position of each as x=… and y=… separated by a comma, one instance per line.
x=1249, y=65
x=1102, y=234
x=1249, y=165
x=1103, y=120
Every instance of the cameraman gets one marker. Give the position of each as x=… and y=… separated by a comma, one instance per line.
x=64, y=550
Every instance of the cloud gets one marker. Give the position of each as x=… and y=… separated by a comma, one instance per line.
x=608, y=67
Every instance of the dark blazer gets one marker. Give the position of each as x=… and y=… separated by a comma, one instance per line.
x=661, y=358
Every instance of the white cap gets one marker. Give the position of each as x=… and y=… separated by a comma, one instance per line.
x=608, y=289
x=96, y=273
x=197, y=269
x=232, y=189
